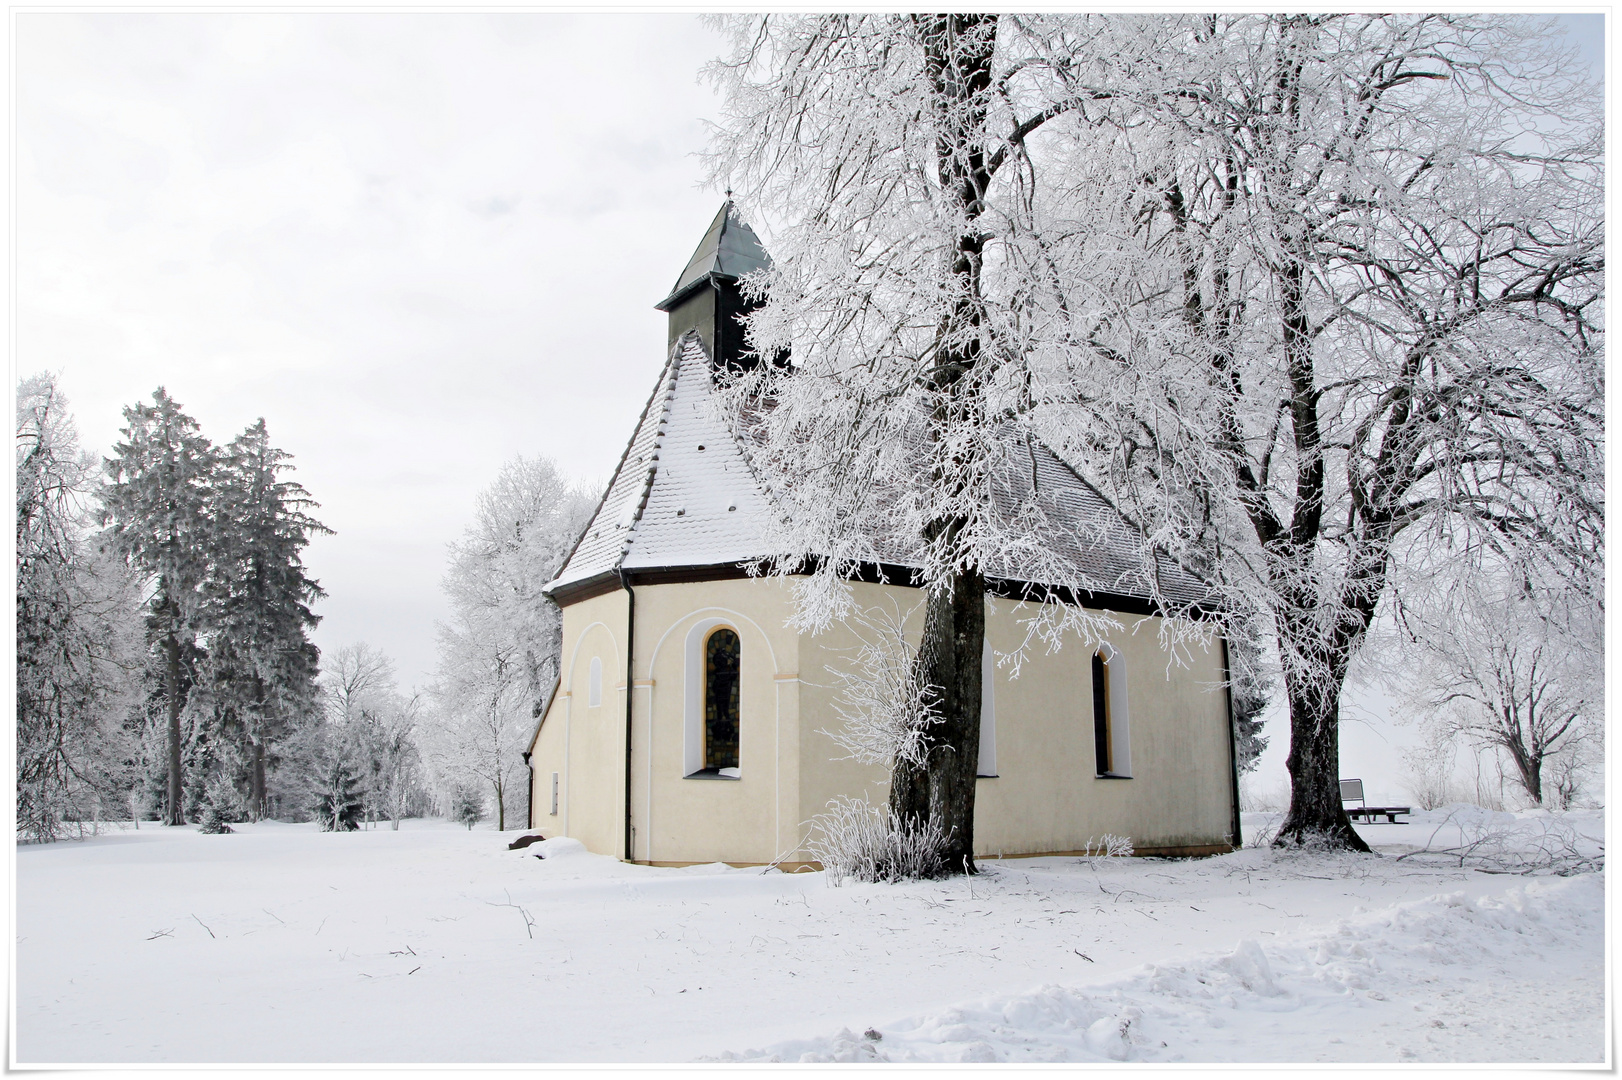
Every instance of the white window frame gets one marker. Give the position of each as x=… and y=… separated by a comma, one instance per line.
x=987, y=767
x=1120, y=719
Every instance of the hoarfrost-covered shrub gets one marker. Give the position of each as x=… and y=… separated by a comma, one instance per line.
x=854, y=839
x=1109, y=846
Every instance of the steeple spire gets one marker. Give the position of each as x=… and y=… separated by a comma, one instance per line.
x=707, y=297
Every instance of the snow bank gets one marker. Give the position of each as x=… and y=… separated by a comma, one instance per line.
x=1414, y=977
x=558, y=847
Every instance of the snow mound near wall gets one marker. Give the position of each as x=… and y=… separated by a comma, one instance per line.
x=558, y=847
x=1415, y=977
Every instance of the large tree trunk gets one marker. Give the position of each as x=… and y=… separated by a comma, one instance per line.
x=256, y=742
x=260, y=807
x=941, y=787
x=174, y=812
x=1314, y=676
x=1528, y=760
x=1316, y=812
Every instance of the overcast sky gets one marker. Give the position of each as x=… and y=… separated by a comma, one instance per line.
x=417, y=245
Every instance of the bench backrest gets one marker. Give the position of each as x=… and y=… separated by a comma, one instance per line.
x=1351, y=789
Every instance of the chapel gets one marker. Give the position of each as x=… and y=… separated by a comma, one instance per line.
x=690, y=723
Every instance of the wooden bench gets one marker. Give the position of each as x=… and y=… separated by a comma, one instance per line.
x=1353, y=790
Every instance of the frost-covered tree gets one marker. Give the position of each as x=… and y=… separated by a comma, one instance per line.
x=499, y=657
x=1317, y=297
x=1512, y=668
x=259, y=616
x=157, y=503
x=1252, y=684
x=1348, y=319
x=467, y=806
x=78, y=628
x=353, y=678
x=377, y=727
x=339, y=801
x=394, y=779
x=895, y=156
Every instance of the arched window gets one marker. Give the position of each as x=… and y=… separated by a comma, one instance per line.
x=721, y=653
x=594, y=683
x=1111, y=746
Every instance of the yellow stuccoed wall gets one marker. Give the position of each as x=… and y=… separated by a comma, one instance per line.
x=1044, y=799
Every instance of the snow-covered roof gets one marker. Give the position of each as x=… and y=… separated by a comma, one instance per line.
x=684, y=496
x=729, y=249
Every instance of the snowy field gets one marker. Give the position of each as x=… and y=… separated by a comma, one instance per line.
x=437, y=945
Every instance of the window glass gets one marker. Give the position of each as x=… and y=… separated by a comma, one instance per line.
x=1101, y=740
x=721, y=700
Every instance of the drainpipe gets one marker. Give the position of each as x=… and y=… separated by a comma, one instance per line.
x=530, y=800
x=630, y=698
x=1233, y=740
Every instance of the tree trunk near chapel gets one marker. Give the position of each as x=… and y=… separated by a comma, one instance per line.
x=1314, y=683
x=940, y=788
x=1316, y=810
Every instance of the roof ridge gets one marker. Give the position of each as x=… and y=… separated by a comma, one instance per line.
x=667, y=384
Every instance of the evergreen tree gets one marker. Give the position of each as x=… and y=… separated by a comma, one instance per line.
x=157, y=503
x=265, y=664
x=338, y=802
x=467, y=806
x=221, y=805
x=1251, y=689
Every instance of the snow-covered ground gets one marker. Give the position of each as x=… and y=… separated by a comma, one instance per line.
x=433, y=944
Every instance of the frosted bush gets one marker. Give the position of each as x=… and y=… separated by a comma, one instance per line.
x=1109, y=846
x=854, y=839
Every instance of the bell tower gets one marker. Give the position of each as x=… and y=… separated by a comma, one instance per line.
x=707, y=297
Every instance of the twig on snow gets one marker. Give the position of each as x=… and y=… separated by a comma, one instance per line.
x=529, y=920
x=204, y=925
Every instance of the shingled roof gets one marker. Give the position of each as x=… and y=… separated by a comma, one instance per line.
x=683, y=494
x=684, y=497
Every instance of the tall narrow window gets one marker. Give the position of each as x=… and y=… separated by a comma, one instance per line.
x=721, y=700
x=1101, y=733
x=594, y=683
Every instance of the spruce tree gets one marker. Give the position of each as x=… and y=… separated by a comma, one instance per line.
x=261, y=599
x=338, y=802
x=157, y=503
x=467, y=806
